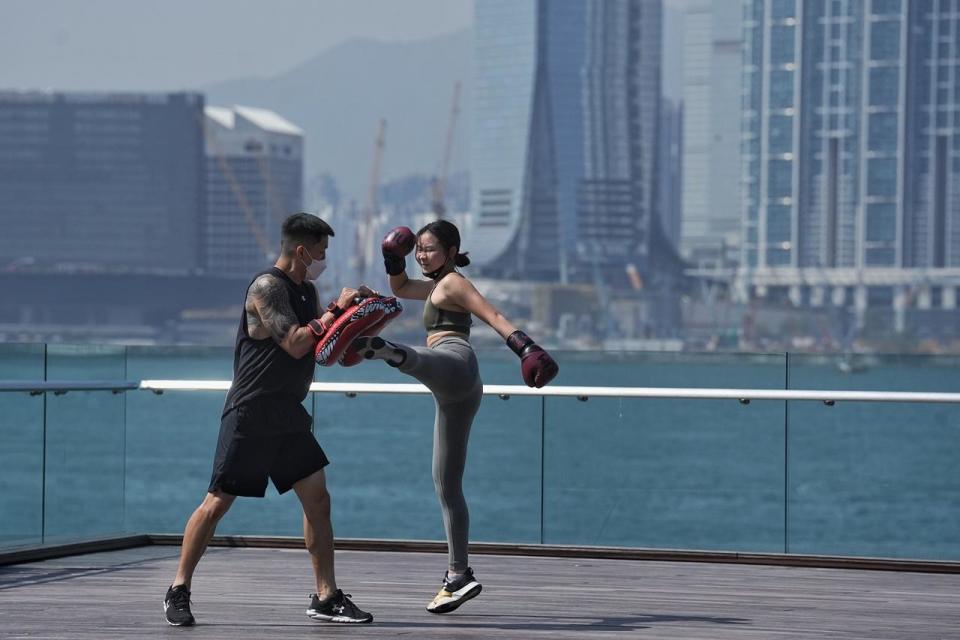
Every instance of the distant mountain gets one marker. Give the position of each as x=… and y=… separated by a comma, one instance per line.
x=338, y=97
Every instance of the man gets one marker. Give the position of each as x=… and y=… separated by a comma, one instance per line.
x=264, y=429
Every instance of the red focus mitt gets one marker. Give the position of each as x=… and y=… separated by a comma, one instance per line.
x=356, y=321
x=392, y=309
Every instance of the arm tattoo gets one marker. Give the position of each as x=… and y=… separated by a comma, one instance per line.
x=269, y=313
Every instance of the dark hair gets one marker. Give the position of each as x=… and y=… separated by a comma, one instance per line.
x=447, y=234
x=302, y=228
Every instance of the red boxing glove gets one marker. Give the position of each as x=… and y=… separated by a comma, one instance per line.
x=392, y=308
x=398, y=242
x=536, y=365
x=351, y=324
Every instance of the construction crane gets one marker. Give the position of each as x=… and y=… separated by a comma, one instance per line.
x=367, y=223
x=439, y=183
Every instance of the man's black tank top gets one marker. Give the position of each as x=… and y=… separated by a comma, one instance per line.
x=262, y=367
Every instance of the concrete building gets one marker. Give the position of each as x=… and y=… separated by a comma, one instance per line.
x=101, y=181
x=254, y=175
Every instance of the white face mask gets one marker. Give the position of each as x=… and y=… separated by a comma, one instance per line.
x=316, y=267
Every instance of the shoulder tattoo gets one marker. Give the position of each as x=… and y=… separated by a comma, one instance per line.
x=268, y=309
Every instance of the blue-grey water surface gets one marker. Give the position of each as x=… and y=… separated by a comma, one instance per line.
x=853, y=479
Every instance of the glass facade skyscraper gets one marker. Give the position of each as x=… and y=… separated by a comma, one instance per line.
x=567, y=98
x=851, y=148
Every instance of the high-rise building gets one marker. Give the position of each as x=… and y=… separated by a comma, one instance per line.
x=254, y=180
x=851, y=152
x=712, y=65
x=101, y=181
x=670, y=170
x=567, y=98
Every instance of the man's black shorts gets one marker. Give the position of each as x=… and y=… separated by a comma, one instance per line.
x=262, y=439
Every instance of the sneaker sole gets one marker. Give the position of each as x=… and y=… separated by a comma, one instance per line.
x=319, y=617
x=472, y=591
x=179, y=624
x=189, y=623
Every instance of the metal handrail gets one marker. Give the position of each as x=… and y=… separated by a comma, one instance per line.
x=505, y=391
x=59, y=387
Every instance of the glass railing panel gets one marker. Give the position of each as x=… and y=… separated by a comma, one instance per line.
x=171, y=438
x=379, y=446
x=677, y=473
x=85, y=451
x=380, y=477
x=21, y=448
x=874, y=479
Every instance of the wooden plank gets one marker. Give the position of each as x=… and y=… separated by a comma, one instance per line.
x=254, y=593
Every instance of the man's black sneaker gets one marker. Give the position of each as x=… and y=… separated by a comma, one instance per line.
x=454, y=593
x=176, y=606
x=337, y=608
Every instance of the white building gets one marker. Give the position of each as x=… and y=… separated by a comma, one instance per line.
x=254, y=180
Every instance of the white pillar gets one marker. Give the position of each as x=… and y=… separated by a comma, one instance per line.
x=899, y=309
x=838, y=296
x=796, y=295
x=949, y=298
x=817, y=295
x=860, y=304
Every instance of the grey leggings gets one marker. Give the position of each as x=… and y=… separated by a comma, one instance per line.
x=449, y=369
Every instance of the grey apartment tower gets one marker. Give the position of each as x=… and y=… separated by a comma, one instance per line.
x=851, y=152
x=101, y=181
x=566, y=108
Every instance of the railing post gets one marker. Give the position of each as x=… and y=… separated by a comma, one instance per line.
x=543, y=449
x=43, y=458
x=786, y=457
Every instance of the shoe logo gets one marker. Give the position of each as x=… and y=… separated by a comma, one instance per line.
x=338, y=608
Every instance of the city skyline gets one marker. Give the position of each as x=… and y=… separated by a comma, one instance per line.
x=842, y=147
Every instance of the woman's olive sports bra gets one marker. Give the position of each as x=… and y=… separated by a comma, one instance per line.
x=436, y=319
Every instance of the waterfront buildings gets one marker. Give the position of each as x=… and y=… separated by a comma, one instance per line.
x=851, y=153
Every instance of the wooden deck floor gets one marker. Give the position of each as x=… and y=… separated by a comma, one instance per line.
x=242, y=593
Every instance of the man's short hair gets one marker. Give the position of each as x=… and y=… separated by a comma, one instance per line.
x=303, y=228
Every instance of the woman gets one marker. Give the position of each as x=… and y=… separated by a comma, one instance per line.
x=448, y=367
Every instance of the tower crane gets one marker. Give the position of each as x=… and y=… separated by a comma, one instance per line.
x=439, y=183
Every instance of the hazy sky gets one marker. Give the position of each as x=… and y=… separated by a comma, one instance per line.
x=176, y=44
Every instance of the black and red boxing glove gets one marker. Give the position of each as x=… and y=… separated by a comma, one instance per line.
x=392, y=309
x=396, y=245
x=355, y=321
x=536, y=365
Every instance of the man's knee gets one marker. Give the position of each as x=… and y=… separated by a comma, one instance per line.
x=318, y=501
x=313, y=494
x=215, y=506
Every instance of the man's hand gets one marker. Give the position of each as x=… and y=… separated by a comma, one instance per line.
x=350, y=296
